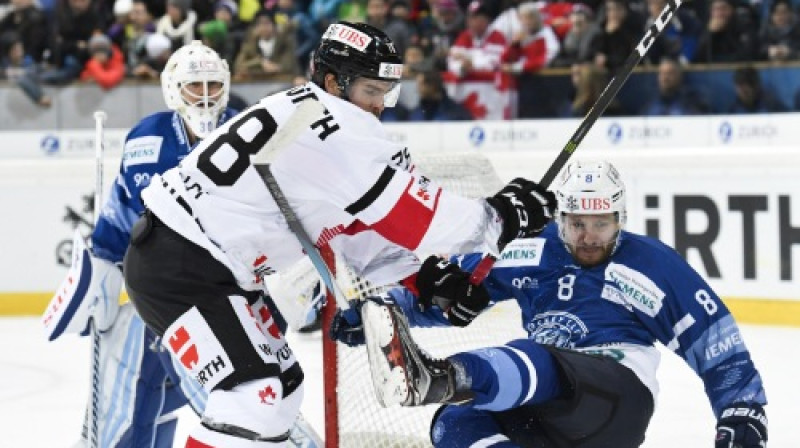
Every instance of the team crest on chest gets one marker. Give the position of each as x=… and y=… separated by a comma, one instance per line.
x=557, y=329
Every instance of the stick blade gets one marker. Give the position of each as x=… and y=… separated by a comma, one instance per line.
x=307, y=112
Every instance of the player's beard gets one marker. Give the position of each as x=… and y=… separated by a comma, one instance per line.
x=591, y=255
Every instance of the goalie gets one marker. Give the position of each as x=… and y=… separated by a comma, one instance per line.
x=595, y=301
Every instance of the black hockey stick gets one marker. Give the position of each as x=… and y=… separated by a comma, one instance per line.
x=656, y=28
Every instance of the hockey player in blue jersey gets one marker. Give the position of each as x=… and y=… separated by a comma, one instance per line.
x=139, y=388
x=594, y=300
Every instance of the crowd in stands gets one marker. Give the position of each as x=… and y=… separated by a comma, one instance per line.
x=470, y=59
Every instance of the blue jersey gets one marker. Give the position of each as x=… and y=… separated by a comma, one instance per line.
x=644, y=293
x=156, y=144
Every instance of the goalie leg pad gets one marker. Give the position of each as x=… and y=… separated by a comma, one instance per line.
x=604, y=404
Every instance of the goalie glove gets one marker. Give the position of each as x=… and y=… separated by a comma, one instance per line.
x=525, y=207
x=444, y=284
x=742, y=425
x=347, y=326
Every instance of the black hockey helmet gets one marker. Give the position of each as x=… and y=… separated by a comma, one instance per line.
x=357, y=50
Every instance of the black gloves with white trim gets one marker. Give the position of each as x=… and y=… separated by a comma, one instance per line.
x=525, y=207
x=742, y=425
x=444, y=284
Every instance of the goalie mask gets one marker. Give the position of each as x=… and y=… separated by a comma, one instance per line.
x=591, y=210
x=196, y=83
x=357, y=50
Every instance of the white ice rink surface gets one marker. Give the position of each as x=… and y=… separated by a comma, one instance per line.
x=43, y=388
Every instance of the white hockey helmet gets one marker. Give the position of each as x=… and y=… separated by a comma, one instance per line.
x=590, y=188
x=196, y=63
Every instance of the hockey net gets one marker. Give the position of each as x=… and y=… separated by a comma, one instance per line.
x=353, y=417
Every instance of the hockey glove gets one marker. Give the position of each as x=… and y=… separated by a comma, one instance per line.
x=444, y=284
x=347, y=327
x=525, y=208
x=742, y=425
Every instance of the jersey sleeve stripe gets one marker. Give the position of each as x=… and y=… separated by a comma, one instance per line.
x=409, y=220
x=374, y=192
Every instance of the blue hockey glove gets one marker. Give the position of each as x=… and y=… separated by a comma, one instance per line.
x=742, y=425
x=347, y=326
x=446, y=285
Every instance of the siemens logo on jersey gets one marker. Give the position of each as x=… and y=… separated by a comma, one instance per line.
x=141, y=150
x=522, y=252
x=637, y=289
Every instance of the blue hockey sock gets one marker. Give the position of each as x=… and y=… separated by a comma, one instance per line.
x=504, y=377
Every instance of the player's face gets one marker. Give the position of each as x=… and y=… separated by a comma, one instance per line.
x=590, y=238
x=369, y=94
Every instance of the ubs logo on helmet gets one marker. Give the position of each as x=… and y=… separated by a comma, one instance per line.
x=348, y=36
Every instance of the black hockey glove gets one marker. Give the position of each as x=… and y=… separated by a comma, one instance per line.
x=742, y=425
x=444, y=284
x=525, y=207
x=347, y=326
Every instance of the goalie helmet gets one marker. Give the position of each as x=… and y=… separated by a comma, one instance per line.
x=590, y=188
x=357, y=50
x=198, y=65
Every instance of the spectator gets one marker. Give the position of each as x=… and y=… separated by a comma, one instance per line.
x=620, y=32
x=780, y=37
x=533, y=47
x=178, y=23
x=679, y=38
x=440, y=32
x=577, y=44
x=224, y=33
x=415, y=62
x=267, y=52
x=588, y=81
x=397, y=29
x=434, y=104
x=673, y=96
x=117, y=32
x=324, y=12
x=288, y=15
x=473, y=67
x=139, y=29
x=28, y=22
x=751, y=95
x=353, y=11
x=725, y=38
x=156, y=53
x=20, y=68
x=106, y=66
x=74, y=23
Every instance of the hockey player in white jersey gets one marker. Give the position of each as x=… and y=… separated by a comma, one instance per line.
x=594, y=300
x=137, y=388
x=212, y=231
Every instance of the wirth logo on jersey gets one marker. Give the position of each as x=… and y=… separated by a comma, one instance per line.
x=192, y=342
x=348, y=36
x=421, y=192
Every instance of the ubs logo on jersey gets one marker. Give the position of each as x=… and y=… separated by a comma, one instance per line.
x=557, y=328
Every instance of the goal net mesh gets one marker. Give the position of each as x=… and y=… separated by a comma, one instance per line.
x=353, y=417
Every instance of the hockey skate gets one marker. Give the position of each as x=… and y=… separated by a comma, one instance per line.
x=402, y=373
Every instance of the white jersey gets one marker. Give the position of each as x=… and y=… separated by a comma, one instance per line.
x=342, y=177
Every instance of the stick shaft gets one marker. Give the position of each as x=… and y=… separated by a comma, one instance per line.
x=609, y=93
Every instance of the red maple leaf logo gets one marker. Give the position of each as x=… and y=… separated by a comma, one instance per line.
x=267, y=393
x=474, y=107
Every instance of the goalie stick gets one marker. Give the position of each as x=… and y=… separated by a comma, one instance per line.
x=308, y=111
x=612, y=88
x=93, y=411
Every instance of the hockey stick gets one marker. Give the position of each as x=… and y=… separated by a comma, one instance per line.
x=307, y=112
x=612, y=88
x=94, y=390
